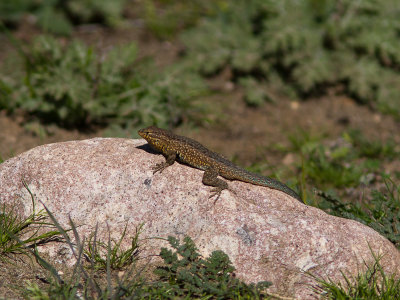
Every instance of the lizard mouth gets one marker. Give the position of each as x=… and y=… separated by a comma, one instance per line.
x=143, y=133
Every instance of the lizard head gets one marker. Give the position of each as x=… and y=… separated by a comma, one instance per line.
x=156, y=137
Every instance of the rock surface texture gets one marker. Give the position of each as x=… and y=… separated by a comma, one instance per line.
x=267, y=234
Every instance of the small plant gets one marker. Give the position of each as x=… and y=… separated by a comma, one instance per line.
x=255, y=92
x=63, y=291
x=100, y=254
x=187, y=274
x=382, y=212
x=19, y=233
x=371, y=284
x=372, y=149
x=326, y=165
x=102, y=11
x=325, y=168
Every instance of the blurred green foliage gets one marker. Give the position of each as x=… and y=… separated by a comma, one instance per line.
x=73, y=86
x=164, y=18
x=58, y=16
x=350, y=47
x=349, y=161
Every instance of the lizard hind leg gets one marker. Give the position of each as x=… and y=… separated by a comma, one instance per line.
x=210, y=178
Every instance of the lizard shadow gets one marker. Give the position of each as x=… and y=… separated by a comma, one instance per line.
x=148, y=149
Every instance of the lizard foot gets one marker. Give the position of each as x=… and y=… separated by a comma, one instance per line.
x=215, y=192
x=159, y=167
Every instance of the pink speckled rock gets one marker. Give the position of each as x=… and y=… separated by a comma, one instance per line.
x=267, y=234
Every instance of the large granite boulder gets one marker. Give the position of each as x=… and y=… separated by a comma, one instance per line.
x=267, y=234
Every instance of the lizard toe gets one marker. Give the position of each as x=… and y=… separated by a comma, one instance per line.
x=158, y=168
x=215, y=192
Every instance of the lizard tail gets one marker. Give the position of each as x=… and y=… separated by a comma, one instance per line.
x=271, y=183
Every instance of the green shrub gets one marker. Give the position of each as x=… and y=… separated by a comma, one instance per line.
x=164, y=18
x=310, y=45
x=75, y=87
x=105, y=11
x=58, y=16
x=12, y=11
x=186, y=274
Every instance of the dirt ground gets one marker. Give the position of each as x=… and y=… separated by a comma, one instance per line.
x=238, y=131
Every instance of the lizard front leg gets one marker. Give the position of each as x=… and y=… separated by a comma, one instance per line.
x=170, y=157
x=210, y=177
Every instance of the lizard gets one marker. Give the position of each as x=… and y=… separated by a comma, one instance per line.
x=190, y=152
